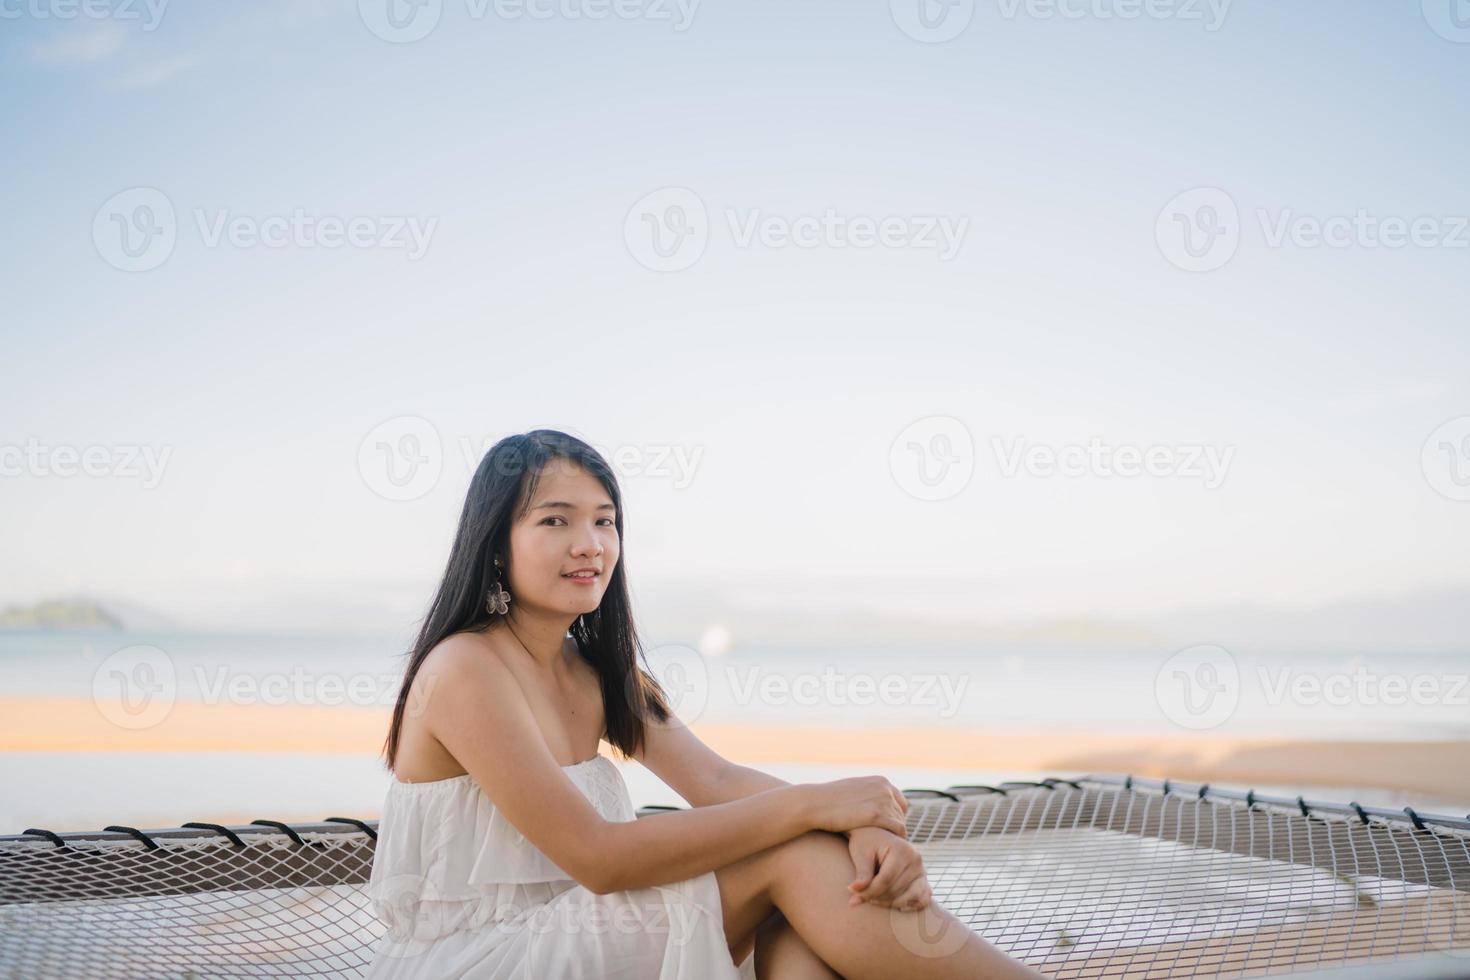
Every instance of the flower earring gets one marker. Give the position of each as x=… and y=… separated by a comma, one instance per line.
x=497, y=600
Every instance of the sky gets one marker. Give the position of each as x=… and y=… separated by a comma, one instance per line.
x=872, y=301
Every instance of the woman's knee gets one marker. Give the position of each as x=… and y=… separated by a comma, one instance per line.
x=759, y=876
x=804, y=856
x=810, y=845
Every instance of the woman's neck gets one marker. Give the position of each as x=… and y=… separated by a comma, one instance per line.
x=543, y=637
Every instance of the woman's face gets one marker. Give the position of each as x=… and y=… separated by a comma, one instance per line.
x=570, y=525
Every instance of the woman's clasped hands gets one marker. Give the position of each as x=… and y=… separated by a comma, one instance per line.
x=889, y=871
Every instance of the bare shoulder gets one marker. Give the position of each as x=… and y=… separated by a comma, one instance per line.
x=456, y=655
x=460, y=650
x=461, y=662
x=484, y=721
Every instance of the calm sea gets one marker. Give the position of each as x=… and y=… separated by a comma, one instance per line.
x=1377, y=696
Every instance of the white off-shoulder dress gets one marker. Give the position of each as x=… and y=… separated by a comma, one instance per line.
x=464, y=895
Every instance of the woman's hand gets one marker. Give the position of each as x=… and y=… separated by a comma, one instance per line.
x=890, y=871
x=860, y=801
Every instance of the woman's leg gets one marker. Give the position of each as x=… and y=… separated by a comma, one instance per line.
x=806, y=878
x=781, y=954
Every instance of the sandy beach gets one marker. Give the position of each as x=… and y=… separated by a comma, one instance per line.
x=1433, y=770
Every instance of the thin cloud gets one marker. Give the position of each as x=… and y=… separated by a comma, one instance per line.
x=156, y=73
x=83, y=46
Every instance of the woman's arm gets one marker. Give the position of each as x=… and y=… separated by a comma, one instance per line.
x=871, y=847
x=680, y=844
x=695, y=771
x=473, y=706
x=736, y=782
x=683, y=843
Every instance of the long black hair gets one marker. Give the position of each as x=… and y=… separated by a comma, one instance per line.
x=503, y=487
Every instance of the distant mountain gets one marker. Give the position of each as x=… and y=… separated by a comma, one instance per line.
x=1425, y=622
x=680, y=613
x=83, y=612
x=1421, y=621
x=792, y=614
x=59, y=614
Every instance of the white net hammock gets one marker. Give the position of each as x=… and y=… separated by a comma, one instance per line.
x=1097, y=877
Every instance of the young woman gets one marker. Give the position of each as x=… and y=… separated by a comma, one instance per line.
x=508, y=846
